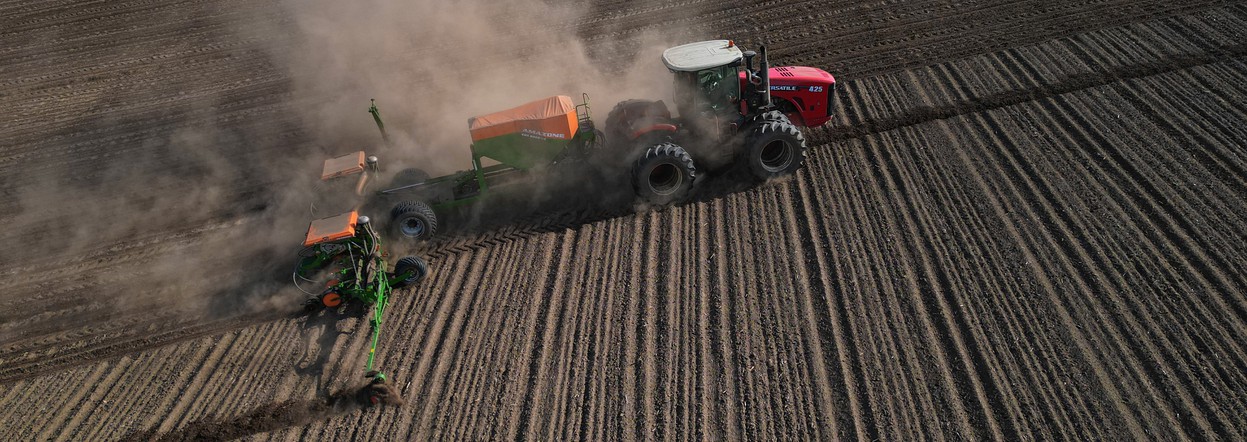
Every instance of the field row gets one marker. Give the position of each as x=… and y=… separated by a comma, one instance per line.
x=1037, y=269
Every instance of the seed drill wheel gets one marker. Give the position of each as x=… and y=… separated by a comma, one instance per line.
x=414, y=220
x=776, y=148
x=331, y=299
x=378, y=391
x=408, y=176
x=664, y=174
x=383, y=393
x=412, y=264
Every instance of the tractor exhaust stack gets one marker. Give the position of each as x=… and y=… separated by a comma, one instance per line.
x=764, y=68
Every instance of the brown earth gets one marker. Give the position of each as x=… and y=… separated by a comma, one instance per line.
x=1025, y=222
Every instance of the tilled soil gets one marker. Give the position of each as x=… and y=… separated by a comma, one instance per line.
x=1025, y=222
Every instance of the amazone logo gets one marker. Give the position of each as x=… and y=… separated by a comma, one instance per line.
x=541, y=134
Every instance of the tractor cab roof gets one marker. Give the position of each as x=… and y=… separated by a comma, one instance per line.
x=694, y=57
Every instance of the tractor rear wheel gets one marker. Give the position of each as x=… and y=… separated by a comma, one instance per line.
x=410, y=264
x=630, y=115
x=414, y=220
x=776, y=148
x=664, y=174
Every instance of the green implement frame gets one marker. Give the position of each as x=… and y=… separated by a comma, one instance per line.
x=363, y=276
x=469, y=185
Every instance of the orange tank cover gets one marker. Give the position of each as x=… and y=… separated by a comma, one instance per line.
x=348, y=164
x=552, y=117
x=331, y=229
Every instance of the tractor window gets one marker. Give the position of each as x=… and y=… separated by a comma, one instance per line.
x=685, y=90
x=709, y=90
x=720, y=87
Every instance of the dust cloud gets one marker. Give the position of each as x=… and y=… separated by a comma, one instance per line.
x=208, y=215
x=433, y=64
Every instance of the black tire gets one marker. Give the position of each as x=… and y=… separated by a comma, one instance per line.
x=616, y=126
x=776, y=148
x=620, y=120
x=410, y=175
x=664, y=174
x=406, y=264
x=771, y=115
x=414, y=220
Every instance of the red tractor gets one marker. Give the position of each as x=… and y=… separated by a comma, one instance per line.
x=727, y=111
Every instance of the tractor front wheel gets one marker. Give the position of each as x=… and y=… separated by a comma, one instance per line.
x=771, y=115
x=414, y=220
x=776, y=148
x=411, y=270
x=664, y=174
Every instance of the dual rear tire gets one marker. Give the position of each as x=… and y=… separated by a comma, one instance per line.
x=664, y=174
x=775, y=148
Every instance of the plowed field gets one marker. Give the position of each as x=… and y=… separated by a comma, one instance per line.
x=1027, y=221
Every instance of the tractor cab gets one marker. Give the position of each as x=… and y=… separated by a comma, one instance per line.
x=706, y=75
x=716, y=79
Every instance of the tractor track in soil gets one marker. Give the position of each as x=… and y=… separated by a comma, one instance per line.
x=1006, y=233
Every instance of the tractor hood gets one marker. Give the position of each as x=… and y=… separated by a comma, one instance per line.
x=797, y=76
x=805, y=94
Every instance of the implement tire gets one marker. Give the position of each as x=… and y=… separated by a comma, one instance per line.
x=408, y=176
x=664, y=174
x=776, y=148
x=414, y=220
x=406, y=264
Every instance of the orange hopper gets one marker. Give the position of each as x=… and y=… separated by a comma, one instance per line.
x=331, y=229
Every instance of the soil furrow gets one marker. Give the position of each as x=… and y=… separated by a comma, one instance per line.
x=1081, y=340
x=1024, y=222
